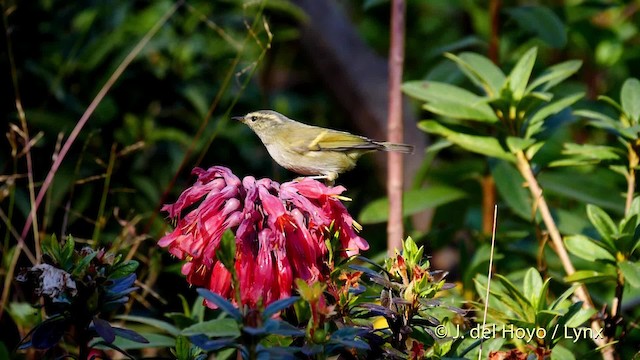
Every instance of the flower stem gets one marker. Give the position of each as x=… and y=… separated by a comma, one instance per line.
x=539, y=201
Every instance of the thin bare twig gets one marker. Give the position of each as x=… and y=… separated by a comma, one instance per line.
x=395, y=171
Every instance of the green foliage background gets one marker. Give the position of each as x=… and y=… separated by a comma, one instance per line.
x=213, y=59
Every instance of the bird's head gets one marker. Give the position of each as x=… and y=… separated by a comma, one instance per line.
x=262, y=121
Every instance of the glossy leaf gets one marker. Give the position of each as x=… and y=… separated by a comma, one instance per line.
x=415, y=201
x=129, y=335
x=104, y=330
x=631, y=272
x=547, y=110
x=279, y=305
x=630, y=99
x=510, y=186
x=603, y=224
x=560, y=352
x=589, y=276
x=554, y=75
x=579, y=317
x=542, y=22
x=533, y=287
x=450, y=101
x=482, y=71
x=220, y=302
x=123, y=269
x=224, y=327
x=586, y=189
x=484, y=145
x=519, y=76
x=584, y=154
x=155, y=323
x=516, y=144
x=585, y=248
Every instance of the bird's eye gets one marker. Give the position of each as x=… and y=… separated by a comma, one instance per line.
x=254, y=118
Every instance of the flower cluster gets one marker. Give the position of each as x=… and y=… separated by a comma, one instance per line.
x=280, y=232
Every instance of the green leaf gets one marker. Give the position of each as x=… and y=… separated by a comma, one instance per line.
x=450, y=101
x=225, y=327
x=516, y=144
x=533, y=287
x=123, y=269
x=564, y=296
x=514, y=293
x=226, y=253
x=519, y=76
x=414, y=201
x=484, y=145
x=482, y=71
x=631, y=272
x=469, y=111
x=510, y=186
x=158, y=324
x=585, y=189
x=155, y=341
x=580, y=317
x=585, y=154
x=542, y=22
x=603, y=224
x=589, y=276
x=83, y=264
x=559, y=352
x=630, y=99
x=585, y=248
x=547, y=110
x=555, y=75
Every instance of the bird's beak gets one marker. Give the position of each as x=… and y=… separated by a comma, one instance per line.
x=237, y=118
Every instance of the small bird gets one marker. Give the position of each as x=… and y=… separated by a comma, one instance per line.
x=312, y=150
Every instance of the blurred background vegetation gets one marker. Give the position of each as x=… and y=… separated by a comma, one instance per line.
x=169, y=112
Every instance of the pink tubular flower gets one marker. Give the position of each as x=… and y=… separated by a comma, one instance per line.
x=280, y=232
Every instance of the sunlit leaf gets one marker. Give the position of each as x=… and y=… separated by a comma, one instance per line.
x=559, y=352
x=631, y=272
x=415, y=201
x=603, y=224
x=224, y=327
x=585, y=248
x=484, y=145
x=554, y=75
x=449, y=100
x=547, y=110
x=630, y=99
x=482, y=71
x=519, y=76
x=589, y=276
x=533, y=287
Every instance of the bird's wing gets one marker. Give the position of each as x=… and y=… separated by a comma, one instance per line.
x=318, y=139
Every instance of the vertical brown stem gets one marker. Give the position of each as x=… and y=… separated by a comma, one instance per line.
x=494, y=41
x=394, y=126
x=487, y=182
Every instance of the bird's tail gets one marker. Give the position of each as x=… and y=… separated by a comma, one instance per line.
x=403, y=148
